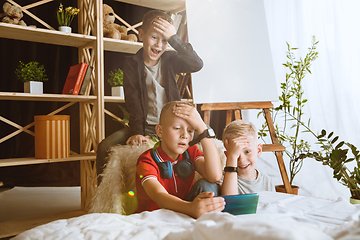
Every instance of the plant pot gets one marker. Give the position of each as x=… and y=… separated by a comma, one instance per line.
x=117, y=91
x=354, y=200
x=33, y=87
x=355, y=196
x=65, y=29
x=281, y=188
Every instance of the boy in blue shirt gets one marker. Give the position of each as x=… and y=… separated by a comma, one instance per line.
x=150, y=81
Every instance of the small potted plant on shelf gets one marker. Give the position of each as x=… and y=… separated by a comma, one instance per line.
x=32, y=75
x=116, y=82
x=65, y=17
x=288, y=116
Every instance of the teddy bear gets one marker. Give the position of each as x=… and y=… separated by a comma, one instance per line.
x=113, y=30
x=13, y=14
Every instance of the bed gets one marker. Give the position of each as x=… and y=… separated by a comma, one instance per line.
x=278, y=215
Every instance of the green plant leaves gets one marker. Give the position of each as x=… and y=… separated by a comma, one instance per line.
x=288, y=120
x=65, y=16
x=116, y=78
x=31, y=71
x=334, y=140
x=291, y=109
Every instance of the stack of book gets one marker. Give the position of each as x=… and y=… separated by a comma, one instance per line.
x=78, y=79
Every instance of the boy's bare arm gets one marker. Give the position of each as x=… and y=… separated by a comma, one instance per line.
x=203, y=203
x=233, y=151
x=210, y=166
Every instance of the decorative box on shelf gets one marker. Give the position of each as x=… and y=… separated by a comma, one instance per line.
x=52, y=136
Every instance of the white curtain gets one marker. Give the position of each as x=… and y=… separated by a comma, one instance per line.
x=332, y=88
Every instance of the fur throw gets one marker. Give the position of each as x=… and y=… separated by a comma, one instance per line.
x=115, y=192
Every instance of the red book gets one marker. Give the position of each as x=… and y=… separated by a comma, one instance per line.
x=75, y=78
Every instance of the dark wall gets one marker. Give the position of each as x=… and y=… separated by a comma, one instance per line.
x=57, y=61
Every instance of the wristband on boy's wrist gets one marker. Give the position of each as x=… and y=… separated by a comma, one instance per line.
x=231, y=169
x=208, y=133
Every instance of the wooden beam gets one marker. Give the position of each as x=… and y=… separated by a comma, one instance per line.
x=240, y=105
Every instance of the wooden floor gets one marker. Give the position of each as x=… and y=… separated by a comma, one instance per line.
x=23, y=208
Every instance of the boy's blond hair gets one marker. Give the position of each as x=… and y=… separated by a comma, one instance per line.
x=150, y=16
x=239, y=128
x=168, y=107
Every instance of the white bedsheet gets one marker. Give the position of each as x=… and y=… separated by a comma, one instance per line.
x=279, y=216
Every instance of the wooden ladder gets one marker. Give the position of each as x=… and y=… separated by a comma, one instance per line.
x=236, y=109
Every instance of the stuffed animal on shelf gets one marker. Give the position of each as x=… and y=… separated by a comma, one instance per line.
x=13, y=14
x=113, y=30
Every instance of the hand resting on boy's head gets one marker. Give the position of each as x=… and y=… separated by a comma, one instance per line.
x=164, y=28
x=191, y=115
x=234, y=147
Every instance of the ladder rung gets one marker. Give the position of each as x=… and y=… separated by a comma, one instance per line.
x=273, y=147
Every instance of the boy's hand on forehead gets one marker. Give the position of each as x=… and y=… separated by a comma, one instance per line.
x=235, y=146
x=164, y=28
x=191, y=115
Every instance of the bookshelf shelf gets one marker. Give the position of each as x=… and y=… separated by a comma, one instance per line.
x=54, y=37
x=121, y=45
x=28, y=161
x=114, y=99
x=45, y=97
x=166, y=5
x=40, y=35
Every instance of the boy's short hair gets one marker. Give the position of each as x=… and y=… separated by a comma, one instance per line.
x=169, y=106
x=150, y=16
x=239, y=128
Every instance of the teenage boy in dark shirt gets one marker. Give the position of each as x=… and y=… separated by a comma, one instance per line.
x=150, y=81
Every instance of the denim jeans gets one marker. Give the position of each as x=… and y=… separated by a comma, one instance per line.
x=202, y=185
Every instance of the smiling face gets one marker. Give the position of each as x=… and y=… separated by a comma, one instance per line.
x=248, y=152
x=175, y=134
x=154, y=45
x=247, y=159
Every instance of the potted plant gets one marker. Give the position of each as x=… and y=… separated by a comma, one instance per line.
x=65, y=17
x=116, y=82
x=288, y=116
x=336, y=157
x=32, y=75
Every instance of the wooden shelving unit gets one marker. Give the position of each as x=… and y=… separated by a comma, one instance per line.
x=91, y=46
